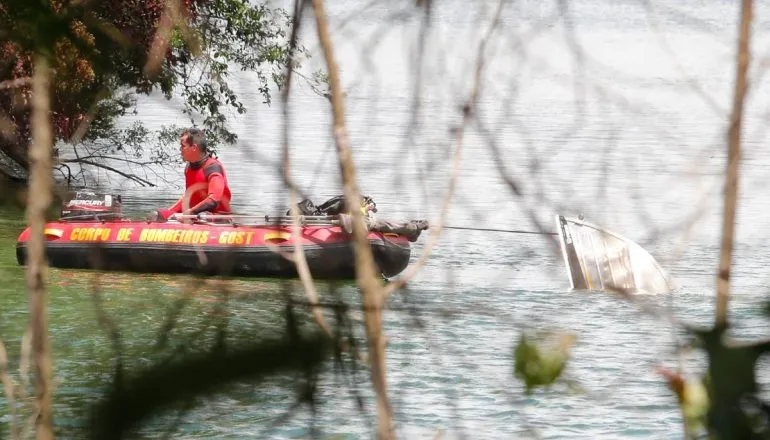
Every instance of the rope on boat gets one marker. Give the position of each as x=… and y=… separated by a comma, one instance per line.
x=510, y=231
x=266, y=218
x=261, y=220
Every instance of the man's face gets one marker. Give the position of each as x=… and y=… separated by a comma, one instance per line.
x=190, y=152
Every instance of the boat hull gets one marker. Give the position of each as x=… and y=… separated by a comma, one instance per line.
x=599, y=259
x=246, y=251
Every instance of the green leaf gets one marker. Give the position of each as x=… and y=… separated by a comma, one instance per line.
x=540, y=358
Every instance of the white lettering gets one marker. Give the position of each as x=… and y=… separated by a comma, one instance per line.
x=86, y=202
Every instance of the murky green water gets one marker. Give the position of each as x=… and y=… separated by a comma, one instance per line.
x=157, y=318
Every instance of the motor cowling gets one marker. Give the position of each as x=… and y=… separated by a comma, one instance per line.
x=85, y=205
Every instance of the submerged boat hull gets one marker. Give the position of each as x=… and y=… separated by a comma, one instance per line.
x=250, y=251
x=599, y=259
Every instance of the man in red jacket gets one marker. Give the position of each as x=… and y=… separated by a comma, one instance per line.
x=205, y=179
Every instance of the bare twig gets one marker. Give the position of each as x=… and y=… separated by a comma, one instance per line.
x=133, y=177
x=81, y=129
x=109, y=326
x=25, y=361
x=572, y=41
x=468, y=115
x=514, y=185
x=118, y=159
x=298, y=257
x=733, y=157
x=371, y=289
x=9, y=389
x=39, y=200
x=199, y=375
x=173, y=313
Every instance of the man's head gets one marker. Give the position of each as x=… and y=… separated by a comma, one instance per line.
x=192, y=144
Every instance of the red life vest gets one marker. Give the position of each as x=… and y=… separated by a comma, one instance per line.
x=208, y=178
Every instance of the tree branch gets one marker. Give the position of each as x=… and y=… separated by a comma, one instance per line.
x=199, y=375
x=10, y=400
x=468, y=115
x=733, y=158
x=129, y=176
x=298, y=256
x=371, y=289
x=39, y=200
x=97, y=155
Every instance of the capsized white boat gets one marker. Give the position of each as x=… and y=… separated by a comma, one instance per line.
x=598, y=259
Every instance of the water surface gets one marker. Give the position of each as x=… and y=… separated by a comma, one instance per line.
x=619, y=133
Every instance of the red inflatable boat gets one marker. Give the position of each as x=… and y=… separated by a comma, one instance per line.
x=93, y=237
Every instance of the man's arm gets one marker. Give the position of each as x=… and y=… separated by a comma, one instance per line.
x=165, y=214
x=176, y=207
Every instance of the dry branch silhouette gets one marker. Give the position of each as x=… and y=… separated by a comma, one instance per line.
x=371, y=290
x=40, y=191
x=733, y=161
x=468, y=113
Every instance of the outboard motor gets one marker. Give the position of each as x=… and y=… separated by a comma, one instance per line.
x=85, y=205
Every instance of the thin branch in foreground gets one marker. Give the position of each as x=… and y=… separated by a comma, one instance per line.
x=371, y=289
x=514, y=185
x=173, y=312
x=10, y=394
x=38, y=201
x=25, y=363
x=108, y=325
x=88, y=118
x=733, y=158
x=198, y=375
x=298, y=256
x=468, y=115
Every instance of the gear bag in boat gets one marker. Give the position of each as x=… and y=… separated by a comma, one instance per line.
x=336, y=206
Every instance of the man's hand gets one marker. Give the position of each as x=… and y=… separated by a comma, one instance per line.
x=160, y=215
